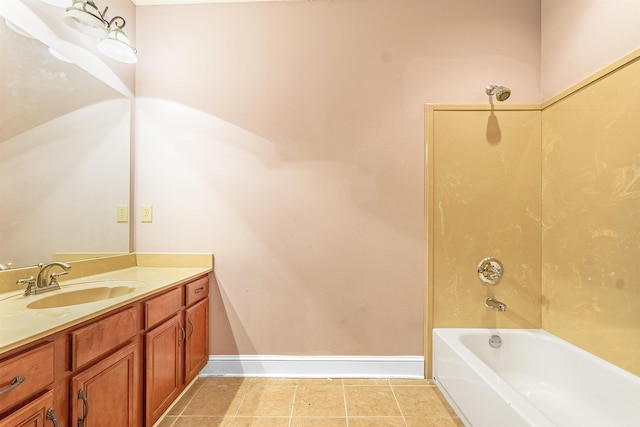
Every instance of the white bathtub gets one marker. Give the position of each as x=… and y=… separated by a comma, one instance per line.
x=534, y=379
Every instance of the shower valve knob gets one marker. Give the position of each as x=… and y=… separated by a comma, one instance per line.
x=490, y=271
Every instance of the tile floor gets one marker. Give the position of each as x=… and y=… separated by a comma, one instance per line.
x=259, y=402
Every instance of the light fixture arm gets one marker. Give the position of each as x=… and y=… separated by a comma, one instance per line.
x=95, y=6
x=114, y=21
x=84, y=16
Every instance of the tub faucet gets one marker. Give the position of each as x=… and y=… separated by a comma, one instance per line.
x=41, y=282
x=495, y=304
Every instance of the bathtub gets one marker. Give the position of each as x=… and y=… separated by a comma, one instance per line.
x=533, y=379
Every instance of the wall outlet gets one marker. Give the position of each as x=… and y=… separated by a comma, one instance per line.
x=147, y=213
x=122, y=214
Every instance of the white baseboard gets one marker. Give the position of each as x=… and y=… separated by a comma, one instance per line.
x=315, y=366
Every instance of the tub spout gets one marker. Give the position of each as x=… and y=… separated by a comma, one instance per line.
x=495, y=304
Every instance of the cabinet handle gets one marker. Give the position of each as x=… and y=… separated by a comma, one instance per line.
x=192, y=327
x=184, y=335
x=51, y=416
x=82, y=396
x=15, y=383
x=197, y=291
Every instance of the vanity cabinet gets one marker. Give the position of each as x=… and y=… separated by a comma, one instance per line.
x=197, y=341
x=123, y=368
x=176, y=344
x=163, y=376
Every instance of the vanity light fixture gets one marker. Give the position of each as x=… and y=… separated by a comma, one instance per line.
x=117, y=45
x=85, y=17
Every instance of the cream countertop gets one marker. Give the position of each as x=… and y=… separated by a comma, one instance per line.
x=20, y=325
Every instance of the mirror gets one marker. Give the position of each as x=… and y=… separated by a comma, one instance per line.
x=64, y=157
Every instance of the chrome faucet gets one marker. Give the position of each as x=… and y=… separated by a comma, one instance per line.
x=495, y=304
x=41, y=281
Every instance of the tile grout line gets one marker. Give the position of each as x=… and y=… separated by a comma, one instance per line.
x=345, y=384
x=234, y=417
x=293, y=404
x=179, y=414
x=344, y=400
x=404, y=420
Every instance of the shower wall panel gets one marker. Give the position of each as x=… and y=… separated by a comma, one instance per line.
x=591, y=217
x=485, y=202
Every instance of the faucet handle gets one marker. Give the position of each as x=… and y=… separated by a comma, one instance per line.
x=54, y=277
x=31, y=285
x=28, y=281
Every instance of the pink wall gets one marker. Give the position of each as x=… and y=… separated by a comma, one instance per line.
x=579, y=38
x=288, y=139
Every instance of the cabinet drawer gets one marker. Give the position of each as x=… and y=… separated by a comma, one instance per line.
x=25, y=374
x=102, y=336
x=162, y=307
x=35, y=413
x=196, y=290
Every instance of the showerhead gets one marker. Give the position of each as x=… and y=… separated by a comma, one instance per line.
x=502, y=93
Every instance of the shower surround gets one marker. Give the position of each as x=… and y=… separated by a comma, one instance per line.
x=591, y=216
x=553, y=191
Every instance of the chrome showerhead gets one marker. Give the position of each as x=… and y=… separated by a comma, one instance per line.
x=502, y=93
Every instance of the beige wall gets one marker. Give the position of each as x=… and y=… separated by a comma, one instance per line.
x=485, y=198
x=287, y=138
x=591, y=207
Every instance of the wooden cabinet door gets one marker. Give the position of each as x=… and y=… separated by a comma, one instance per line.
x=105, y=394
x=38, y=413
x=197, y=345
x=164, y=347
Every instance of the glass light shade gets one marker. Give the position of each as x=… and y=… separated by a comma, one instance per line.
x=84, y=16
x=117, y=46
